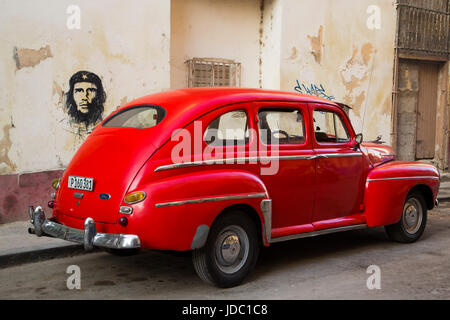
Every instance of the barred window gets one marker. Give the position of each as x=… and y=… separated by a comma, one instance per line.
x=203, y=72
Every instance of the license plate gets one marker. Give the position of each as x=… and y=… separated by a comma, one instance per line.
x=81, y=183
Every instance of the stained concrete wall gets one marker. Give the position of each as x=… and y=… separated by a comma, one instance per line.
x=442, y=117
x=408, y=93
x=270, y=32
x=125, y=43
x=336, y=44
x=215, y=29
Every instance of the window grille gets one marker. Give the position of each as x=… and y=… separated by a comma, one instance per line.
x=203, y=72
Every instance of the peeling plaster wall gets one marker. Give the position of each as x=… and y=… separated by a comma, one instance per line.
x=328, y=43
x=270, y=44
x=126, y=43
x=215, y=29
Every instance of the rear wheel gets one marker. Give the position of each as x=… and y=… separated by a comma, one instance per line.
x=231, y=251
x=412, y=223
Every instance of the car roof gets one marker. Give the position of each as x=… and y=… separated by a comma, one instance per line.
x=202, y=100
x=184, y=106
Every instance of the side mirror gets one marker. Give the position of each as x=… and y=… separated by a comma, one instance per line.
x=358, y=140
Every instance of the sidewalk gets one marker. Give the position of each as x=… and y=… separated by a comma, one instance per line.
x=17, y=246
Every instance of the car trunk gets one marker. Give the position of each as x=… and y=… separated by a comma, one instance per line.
x=112, y=159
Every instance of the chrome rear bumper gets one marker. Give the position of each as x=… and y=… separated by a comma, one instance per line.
x=89, y=237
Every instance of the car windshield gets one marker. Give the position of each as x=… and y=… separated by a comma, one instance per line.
x=139, y=117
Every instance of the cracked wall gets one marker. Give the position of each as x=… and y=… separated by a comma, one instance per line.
x=39, y=54
x=215, y=29
x=408, y=91
x=328, y=50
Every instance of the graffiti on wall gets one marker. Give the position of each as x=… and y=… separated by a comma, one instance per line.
x=85, y=99
x=313, y=90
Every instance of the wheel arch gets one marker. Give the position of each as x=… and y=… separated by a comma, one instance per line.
x=250, y=212
x=426, y=192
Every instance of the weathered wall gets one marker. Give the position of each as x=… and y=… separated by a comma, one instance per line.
x=337, y=49
x=336, y=46
x=407, y=109
x=442, y=118
x=270, y=32
x=215, y=29
x=408, y=91
x=125, y=43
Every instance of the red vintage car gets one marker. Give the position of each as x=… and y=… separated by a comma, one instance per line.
x=223, y=171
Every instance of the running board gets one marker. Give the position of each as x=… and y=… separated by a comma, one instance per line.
x=318, y=233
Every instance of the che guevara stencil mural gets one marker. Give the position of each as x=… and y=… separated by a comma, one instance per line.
x=85, y=99
x=83, y=105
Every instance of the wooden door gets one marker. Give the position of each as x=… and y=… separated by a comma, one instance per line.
x=426, y=110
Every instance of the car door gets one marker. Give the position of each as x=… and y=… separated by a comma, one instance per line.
x=339, y=169
x=287, y=164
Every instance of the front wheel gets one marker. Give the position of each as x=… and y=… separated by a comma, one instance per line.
x=231, y=251
x=412, y=223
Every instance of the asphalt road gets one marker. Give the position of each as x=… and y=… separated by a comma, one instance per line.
x=327, y=267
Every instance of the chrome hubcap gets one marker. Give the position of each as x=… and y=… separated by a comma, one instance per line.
x=412, y=216
x=231, y=249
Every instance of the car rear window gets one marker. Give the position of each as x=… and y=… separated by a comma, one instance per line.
x=139, y=117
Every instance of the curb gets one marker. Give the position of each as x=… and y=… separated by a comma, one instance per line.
x=16, y=257
x=444, y=199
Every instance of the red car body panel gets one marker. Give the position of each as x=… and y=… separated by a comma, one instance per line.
x=322, y=192
x=386, y=189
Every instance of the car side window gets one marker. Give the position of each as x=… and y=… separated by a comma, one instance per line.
x=281, y=126
x=229, y=129
x=329, y=127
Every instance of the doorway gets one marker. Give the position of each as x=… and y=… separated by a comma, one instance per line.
x=426, y=110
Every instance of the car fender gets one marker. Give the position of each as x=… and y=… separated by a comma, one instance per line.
x=388, y=185
x=180, y=210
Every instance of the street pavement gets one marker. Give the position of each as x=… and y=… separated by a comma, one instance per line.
x=333, y=266
x=18, y=247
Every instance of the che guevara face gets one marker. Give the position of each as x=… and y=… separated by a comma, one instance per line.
x=83, y=95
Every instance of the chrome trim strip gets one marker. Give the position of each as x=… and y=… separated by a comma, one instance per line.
x=318, y=233
x=254, y=159
x=403, y=178
x=341, y=155
x=211, y=199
